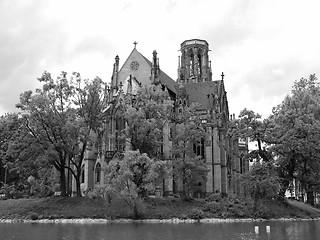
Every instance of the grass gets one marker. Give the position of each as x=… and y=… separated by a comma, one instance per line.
x=152, y=208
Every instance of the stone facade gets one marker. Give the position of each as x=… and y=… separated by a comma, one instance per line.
x=223, y=155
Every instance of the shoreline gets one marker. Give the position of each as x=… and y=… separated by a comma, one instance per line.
x=164, y=221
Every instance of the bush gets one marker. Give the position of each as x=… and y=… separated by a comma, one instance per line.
x=215, y=197
x=97, y=192
x=33, y=216
x=262, y=182
x=196, y=214
x=138, y=207
x=213, y=207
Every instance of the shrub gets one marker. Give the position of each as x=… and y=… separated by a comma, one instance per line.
x=97, y=192
x=213, y=207
x=138, y=207
x=215, y=197
x=33, y=216
x=262, y=182
x=196, y=214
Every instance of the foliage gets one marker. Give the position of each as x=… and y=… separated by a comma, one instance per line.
x=296, y=134
x=147, y=114
x=250, y=126
x=153, y=208
x=20, y=155
x=97, y=192
x=63, y=118
x=186, y=165
x=132, y=177
x=196, y=214
x=262, y=182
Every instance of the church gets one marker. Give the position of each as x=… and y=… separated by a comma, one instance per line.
x=223, y=155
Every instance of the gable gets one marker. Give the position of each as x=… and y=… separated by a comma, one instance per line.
x=137, y=67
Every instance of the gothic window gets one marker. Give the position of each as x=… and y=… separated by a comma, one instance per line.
x=199, y=65
x=82, y=174
x=160, y=147
x=191, y=66
x=120, y=134
x=198, y=148
x=241, y=164
x=98, y=172
x=229, y=170
x=170, y=133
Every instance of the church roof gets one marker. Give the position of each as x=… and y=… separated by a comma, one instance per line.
x=144, y=70
x=198, y=92
x=164, y=78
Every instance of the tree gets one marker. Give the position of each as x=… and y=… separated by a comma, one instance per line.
x=147, y=114
x=132, y=177
x=64, y=117
x=262, y=182
x=250, y=126
x=9, y=125
x=296, y=134
x=21, y=157
x=86, y=127
x=188, y=166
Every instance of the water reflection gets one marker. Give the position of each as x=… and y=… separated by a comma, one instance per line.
x=307, y=230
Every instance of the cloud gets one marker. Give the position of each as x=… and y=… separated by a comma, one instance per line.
x=32, y=40
x=233, y=25
x=24, y=43
x=261, y=46
x=171, y=4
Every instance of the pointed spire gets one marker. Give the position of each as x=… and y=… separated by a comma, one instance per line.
x=178, y=69
x=155, y=69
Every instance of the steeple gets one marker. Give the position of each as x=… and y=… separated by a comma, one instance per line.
x=114, y=78
x=194, y=65
x=155, y=69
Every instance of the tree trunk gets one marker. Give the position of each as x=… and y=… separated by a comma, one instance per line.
x=63, y=188
x=69, y=188
x=310, y=198
x=136, y=214
x=283, y=187
x=78, y=185
x=1, y=173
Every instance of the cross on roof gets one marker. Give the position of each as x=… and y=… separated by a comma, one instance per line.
x=222, y=76
x=135, y=44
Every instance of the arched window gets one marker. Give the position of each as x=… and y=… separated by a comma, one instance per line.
x=241, y=164
x=120, y=133
x=98, y=172
x=198, y=148
x=82, y=174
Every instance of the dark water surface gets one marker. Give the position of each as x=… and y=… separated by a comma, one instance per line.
x=293, y=230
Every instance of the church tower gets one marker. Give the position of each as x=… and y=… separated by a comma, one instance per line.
x=194, y=65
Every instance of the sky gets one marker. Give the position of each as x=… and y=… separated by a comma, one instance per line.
x=262, y=46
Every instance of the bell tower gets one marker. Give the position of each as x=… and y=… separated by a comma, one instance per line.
x=194, y=65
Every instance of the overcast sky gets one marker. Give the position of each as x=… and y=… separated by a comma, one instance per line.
x=262, y=46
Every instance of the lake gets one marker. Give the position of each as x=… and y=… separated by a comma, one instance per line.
x=293, y=230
